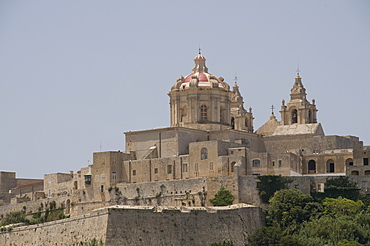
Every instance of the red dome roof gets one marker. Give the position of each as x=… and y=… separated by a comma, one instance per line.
x=202, y=77
x=205, y=79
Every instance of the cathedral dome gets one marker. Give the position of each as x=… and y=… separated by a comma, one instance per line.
x=200, y=77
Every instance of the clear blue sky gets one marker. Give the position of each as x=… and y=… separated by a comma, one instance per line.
x=75, y=75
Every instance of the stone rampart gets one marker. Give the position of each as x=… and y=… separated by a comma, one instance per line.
x=126, y=225
x=61, y=232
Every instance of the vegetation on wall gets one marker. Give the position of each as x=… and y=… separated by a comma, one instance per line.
x=93, y=242
x=269, y=184
x=51, y=213
x=222, y=198
x=341, y=186
x=224, y=243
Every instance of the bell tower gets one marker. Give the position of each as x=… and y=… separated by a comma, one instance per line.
x=241, y=119
x=298, y=110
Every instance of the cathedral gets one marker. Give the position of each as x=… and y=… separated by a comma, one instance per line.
x=211, y=143
x=211, y=131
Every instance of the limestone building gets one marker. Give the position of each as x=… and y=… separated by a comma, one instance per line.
x=211, y=133
x=211, y=142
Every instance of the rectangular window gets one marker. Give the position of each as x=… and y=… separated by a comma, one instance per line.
x=102, y=178
x=320, y=187
x=185, y=168
x=102, y=188
x=366, y=161
x=256, y=163
x=169, y=169
x=331, y=167
x=203, y=112
x=280, y=163
x=97, y=179
x=133, y=172
x=273, y=163
x=155, y=170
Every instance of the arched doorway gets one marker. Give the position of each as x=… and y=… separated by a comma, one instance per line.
x=312, y=166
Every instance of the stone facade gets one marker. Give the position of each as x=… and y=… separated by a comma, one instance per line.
x=124, y=225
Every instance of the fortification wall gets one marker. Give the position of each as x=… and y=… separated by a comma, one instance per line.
x=199, y=226
x=61, y=232
x=124, y=225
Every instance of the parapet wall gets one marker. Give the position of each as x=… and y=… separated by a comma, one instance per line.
x=125, y=225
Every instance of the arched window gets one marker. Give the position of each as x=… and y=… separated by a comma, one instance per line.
x=232, y=123
x=312, y=166
x=222, y=114
x=204, y=154
x=330, y=166
x=246, y=122
x=367, y=172
x=232, y=166
x=203, y=112
x=355, y=173
x=294, y=116
x=183, y=114
x=256, y=163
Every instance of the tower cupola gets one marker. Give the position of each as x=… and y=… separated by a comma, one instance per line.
x=298, y=110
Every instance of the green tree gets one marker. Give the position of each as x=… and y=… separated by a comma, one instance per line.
x=341, y=206
x=271, y=236
x=269, y=184
x=366, y=200
x=222, y=198
x=289, y=208
x=332, y=230
x=341, y=186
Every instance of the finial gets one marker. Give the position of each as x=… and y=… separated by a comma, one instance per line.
x=272, y=109
x=199, y=50
x=298, y=69
x=235, y=79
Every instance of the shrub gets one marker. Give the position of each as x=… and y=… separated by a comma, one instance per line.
x=222, y=198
